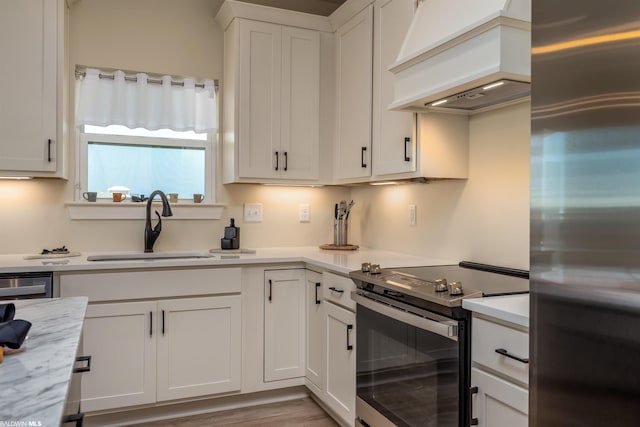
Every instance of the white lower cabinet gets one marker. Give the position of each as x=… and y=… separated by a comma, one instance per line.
x=121, y=340
x=151, y=351
x=315, y=366
x=341, y=361
x=499, y=402
x=284, y=324
x=499, y=373
x=198, y=346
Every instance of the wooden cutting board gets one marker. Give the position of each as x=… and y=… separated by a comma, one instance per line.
x=332, y=247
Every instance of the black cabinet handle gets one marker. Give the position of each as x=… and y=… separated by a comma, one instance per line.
x=162, y=322
x=150, y=324
x=318, y=284
x=286, y=161
x=270, y=289
x=363, y=160
x=49, y=151
x=334, y=289
x=277, y=160
x=75, y=418
x=505, y=353
x=85, y=368
x=407, y=141
x=472, y=391
x=349, y=328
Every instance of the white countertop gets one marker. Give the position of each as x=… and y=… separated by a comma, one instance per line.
x=335, y=260
x=509, y=308
x=34, y=383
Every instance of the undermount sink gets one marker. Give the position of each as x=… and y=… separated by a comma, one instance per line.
x=149, y=256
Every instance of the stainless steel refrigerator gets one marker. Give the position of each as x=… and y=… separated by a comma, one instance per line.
x=585, y=214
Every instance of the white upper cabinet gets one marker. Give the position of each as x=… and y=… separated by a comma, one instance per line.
x=31, y=83
x=271, y=111
x=352, y=154
x=394, y=136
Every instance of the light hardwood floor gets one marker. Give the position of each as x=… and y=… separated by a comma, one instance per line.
x=300, y=412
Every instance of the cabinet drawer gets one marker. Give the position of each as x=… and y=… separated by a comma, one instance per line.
x=487, y=337
x=338, y=289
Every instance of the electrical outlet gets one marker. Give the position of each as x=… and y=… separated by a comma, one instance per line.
x=253, y=212
x=304, y=213
x=412, y=214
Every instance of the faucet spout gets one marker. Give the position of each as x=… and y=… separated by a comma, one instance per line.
x=152, y=234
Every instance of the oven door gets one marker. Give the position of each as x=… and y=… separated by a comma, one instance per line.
x=409, y=365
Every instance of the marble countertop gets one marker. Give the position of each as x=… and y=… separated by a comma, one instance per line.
x=34, y=383
x=335, y=260
x=509, y=308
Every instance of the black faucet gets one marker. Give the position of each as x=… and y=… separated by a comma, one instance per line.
x=151, y=234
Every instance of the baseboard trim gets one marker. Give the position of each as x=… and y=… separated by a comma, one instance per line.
x=161, y=412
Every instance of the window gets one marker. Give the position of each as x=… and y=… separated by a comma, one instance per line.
x=139, y=161
x=138, y=134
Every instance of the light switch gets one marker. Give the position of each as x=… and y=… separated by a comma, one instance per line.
x=412, y=214
x=253, y=212
x=304, y=214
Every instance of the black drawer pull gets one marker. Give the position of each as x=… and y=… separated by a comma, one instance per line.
x=407, y=141
x=277, y=160
x=472, y=391
x=270, y=289
x=150, y=324
x=162, y=322
x=286, y=161
x=505, y=353
x=318, y=284
x=49, y=151
x=85, y=368
x=349, y=328
x=334, y=289
x=363, y=160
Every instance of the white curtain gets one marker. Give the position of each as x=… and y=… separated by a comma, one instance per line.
x=141, y=104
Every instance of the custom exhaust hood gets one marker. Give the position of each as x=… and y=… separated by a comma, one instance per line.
x=464, y=56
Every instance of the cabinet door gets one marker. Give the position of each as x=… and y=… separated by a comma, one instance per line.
x=354, y=69
x=28, y=83
x=498, y=403
x=341, y=361
x=315, y=331
x=300, y=145
x=121, y=339
x=199, y=350
x=284, y=324
x=391, y=152
x=259, y=99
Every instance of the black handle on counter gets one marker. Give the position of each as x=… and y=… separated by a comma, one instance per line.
x=407, y=141
x=505, y=353
x=75, y=418
x=349, y=328
x=334, y=289
x=85, y=368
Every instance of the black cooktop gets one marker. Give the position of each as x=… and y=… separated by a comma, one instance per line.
x=418, y=283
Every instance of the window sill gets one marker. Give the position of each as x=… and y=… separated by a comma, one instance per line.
x=130, y=210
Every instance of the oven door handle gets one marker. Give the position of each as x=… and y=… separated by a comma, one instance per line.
x=23, y=291
x=445, y=328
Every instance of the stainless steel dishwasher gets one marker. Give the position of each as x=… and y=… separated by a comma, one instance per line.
x=26, y=285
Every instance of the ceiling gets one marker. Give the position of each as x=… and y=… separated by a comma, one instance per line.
x=317, y=7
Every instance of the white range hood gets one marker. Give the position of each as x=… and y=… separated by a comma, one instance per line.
x=455, y=49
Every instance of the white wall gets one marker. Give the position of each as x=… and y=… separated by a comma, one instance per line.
x=157, y=36
x=483, y=219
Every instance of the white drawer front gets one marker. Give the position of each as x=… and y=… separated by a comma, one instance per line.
x=487, y=337
x=338, y=289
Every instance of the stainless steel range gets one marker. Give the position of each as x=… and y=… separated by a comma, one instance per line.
x=413, y=342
